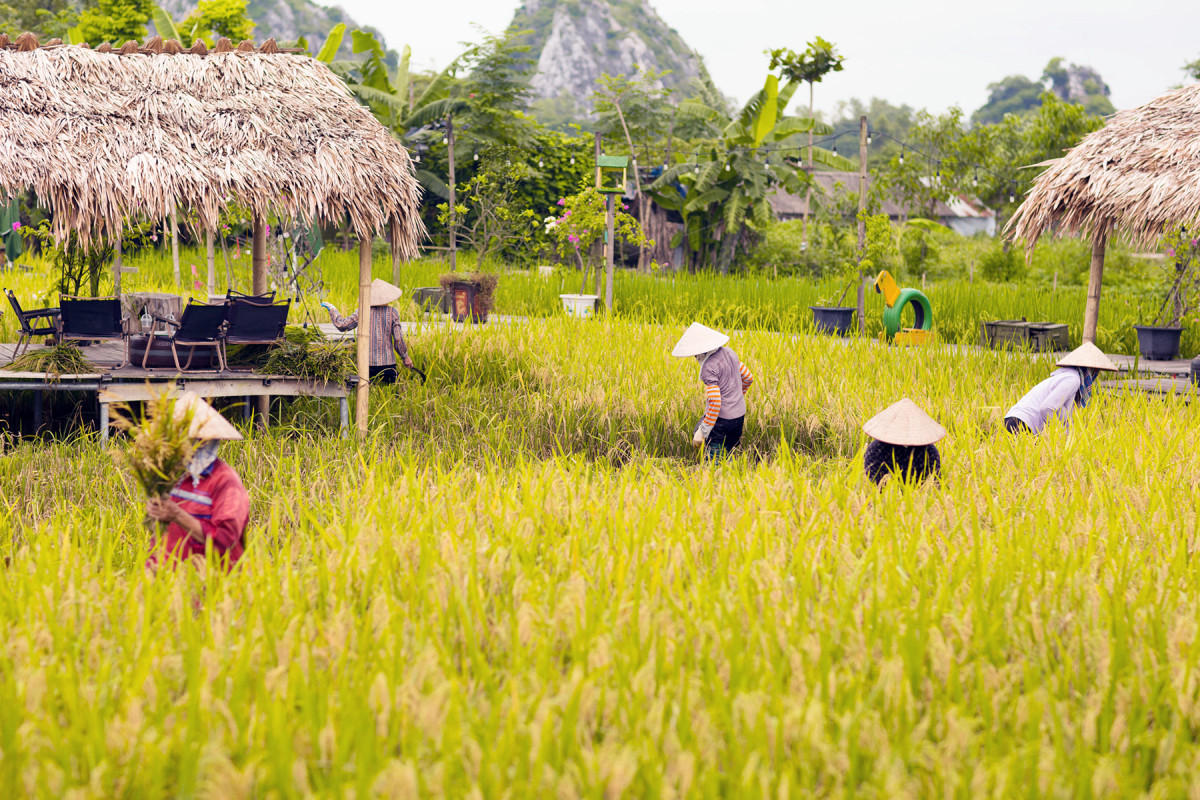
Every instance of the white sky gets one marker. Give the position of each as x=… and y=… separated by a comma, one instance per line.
x=926, y=53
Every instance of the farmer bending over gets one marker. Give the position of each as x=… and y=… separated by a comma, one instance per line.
x=725, y=380
x=1068, y=386
x=387, y=339
x=209, y=507
x=903, y=446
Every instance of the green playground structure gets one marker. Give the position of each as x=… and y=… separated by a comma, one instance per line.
x=895, y=300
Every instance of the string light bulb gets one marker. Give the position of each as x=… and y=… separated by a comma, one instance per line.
x=418, y=158
x=445, y=140
x=902, y=156
x=975, y=180
x=477, y=156
x=541, y=163
x=572, y=160
x=868, y=138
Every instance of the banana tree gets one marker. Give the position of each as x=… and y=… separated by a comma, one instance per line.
x=724, y=188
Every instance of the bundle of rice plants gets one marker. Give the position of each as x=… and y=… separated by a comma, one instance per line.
x=319, y=360
x=56, y=361
x=158, y=449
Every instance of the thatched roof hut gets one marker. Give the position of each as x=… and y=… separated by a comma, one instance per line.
x=106, y=134
x=1136, y=175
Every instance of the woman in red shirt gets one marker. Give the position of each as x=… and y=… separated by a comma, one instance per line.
x=209, y=507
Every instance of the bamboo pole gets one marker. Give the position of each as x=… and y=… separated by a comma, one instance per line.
x=363, y=395
x=1091, y=313
x=117, y=265
x=211, y=255
x=862, y=223
x=596, y=288
x=175, y=246
x=808, y=194
x=258, y=285
x=258, y=256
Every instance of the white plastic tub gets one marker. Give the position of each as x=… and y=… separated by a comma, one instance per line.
x=581, y=306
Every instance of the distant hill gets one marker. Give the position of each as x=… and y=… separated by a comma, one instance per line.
x=573, y=42
x=287, y=20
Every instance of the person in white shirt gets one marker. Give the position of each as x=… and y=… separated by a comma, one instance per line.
x=1056, y=397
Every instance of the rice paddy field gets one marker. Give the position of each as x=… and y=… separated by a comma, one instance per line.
x=524, y=584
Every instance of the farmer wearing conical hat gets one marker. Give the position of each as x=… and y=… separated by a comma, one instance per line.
x=904, y=443
x=726, y=381
x=1068, y=386
x=387, y=339
x=209, y=507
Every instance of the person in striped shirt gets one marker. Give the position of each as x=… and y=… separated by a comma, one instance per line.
x=726, y=381
x=208, y=509
x=387, y=337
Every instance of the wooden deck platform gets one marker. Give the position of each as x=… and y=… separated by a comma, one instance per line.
x=1165, y=385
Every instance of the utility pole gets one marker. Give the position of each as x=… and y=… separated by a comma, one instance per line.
x=453, y=220
x=862, y=223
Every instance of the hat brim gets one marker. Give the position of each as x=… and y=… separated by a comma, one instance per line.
x=207, y=422
x=698, y=339
x=1088, y=356
x=384, y=293
x=904, y=423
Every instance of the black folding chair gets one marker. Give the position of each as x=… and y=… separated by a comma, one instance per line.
x=93, y=319
x=200, y=325
x=251, y=323
x=27, y=320
x=234, y=296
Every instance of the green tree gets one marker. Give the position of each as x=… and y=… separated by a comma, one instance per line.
x=214, y=19
x=635, y=109
x=1192, y=70
x=938, y=163
x=47, y=18
x=818, y=60
x=1016, y=94
x=888, y=123
x=116, y=21
x=725, y=186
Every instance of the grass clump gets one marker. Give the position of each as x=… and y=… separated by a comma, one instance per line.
x=316, y=360
x=56, y=361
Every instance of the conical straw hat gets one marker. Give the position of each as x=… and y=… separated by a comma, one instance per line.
x=1088, y=355
x=207, y=422
x=383, y=293
x=698, y=339
x=904, y=423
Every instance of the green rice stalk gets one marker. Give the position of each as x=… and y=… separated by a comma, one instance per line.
x=56, y=361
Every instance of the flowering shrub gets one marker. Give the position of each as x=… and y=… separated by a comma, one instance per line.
x=582, y=224
x=1182, y=297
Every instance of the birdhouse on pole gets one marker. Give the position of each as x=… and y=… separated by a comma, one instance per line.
x=613, y=171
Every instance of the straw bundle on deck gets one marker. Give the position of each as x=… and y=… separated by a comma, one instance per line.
x=1138, y=173
x=101, y=136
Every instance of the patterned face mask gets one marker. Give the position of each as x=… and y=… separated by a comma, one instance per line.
x=202, y=460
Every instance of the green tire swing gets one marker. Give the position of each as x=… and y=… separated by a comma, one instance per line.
x=922, y=313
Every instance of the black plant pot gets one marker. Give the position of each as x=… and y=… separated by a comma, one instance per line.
x=833, y=319
x=1158, y=344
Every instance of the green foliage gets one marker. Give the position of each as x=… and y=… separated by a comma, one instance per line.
x=1192, y=69
x=64, y=358
x=158, y=448
x=313, y=359
x=1016, y=94
x=1000, y=264
x=46, y=18
x=811, y=66
x=940, y=162
x=496, y=90
x=493, y=216
x=78, y=265
x=116, y=21
x=1181, y=270
x=584, y=222
x=1072, y=83
x=213, y=19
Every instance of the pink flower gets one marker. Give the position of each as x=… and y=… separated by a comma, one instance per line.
x=624, y=207
x=562, y=201
x=1170, y=252
x=1193, y=240
x=573, y=239
x=16, y=226
x=567, y=213
x=154, y=237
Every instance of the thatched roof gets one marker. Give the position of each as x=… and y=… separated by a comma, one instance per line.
x=105, y=134
x=1135, y=175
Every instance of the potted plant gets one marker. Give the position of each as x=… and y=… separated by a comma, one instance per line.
x=471, y=294
x=1160, y=341
x=578, y=230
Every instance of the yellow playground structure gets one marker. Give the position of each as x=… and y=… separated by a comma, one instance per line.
x=895, y=299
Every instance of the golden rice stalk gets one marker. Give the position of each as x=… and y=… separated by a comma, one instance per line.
x=159, y=448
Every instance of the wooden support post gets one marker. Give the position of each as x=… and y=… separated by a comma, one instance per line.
x=862, y=223
x=103, y=423
x=258, y=256
x=1091, y=313
x=363, y=399
x=258, y=285
x=117, y=264
x=453, y=196
x=175, y=246
x=211, y=255
x=609, y=248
